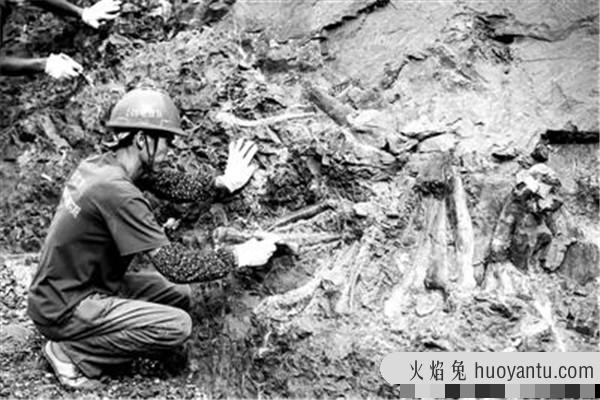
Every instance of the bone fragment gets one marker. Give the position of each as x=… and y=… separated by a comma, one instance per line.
x=329, y=277
x=437, y=272
x=346, y=300
x=465, y=238
x=230, y=119
x=335, y=109
x=305, y=213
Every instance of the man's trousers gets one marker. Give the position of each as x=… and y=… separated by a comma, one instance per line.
x=107, y=330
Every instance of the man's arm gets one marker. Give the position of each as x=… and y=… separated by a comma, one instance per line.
x=180, y=265
x=21, y=66
x=60, y=7
x=58, y=66
x=94, y=16
x=179, y=186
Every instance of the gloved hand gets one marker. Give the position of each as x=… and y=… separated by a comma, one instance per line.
x=104, y=10
x=16, y=3
x=255, y=252
x=239, y=169
x=61, y=66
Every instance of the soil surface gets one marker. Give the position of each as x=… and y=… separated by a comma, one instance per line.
x=433, y=167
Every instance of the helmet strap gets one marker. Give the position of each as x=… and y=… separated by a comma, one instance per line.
x=150, y=155
x=156, y=139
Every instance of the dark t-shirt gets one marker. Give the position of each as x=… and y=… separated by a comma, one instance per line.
x=101, y=222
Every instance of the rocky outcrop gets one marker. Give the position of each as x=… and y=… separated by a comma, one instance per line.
x=299, y=19
x=581, y=262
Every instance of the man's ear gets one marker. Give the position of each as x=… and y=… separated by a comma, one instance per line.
x=139, y=139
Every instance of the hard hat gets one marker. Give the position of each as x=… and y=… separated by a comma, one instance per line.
x=146, y=109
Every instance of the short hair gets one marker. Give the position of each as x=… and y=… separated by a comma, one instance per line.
x=123, y=137
x=120, y=138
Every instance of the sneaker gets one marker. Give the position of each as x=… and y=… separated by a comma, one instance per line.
x=66, y=372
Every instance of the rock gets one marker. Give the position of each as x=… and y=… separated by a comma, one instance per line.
x=163, y=9
x=74, y=134
x=532, y=228
x=505, y=153
x=588, y=192
x=582, y=262
x=365, y=99
x=340, y=345
x=555, y=253
x=365, y=209
x=583, y=316
x=529, y=235
x=541, y=173
x=201, y=12
x=434, y=177
x=331, y=106
x=15, y=338
x=283, y=57
x=22, y=267
x=249, y=301
x=367, y=154
x=571, y=136
x=542, y=339
x=237, y=328
x=398, y=144
x=441, y=143
x=28, y=130
x=537, y=189
x=441, y=344
x=302, y=18
x=9, y=151
x=374, y=126
x=428, y=304
x=423, y=128
x=400, y=324
x=381, y=129
x=504, y=279
x=506, y=307
x=564, y=233
x=540, y=153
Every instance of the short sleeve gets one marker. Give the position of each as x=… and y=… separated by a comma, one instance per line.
x=134, y=228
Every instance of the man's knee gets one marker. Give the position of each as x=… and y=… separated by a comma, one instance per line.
x=182, y=324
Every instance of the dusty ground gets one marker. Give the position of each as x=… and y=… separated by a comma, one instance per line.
x=395, y=166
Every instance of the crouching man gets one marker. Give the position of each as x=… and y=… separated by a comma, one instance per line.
x=82, y=298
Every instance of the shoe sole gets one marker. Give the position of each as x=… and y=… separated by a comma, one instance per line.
x=63, y=380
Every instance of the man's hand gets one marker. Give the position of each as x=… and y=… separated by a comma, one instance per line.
x=16, y=3
x=61, y=66
x=104, y=10
x=254, y=253
x=239, y=169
